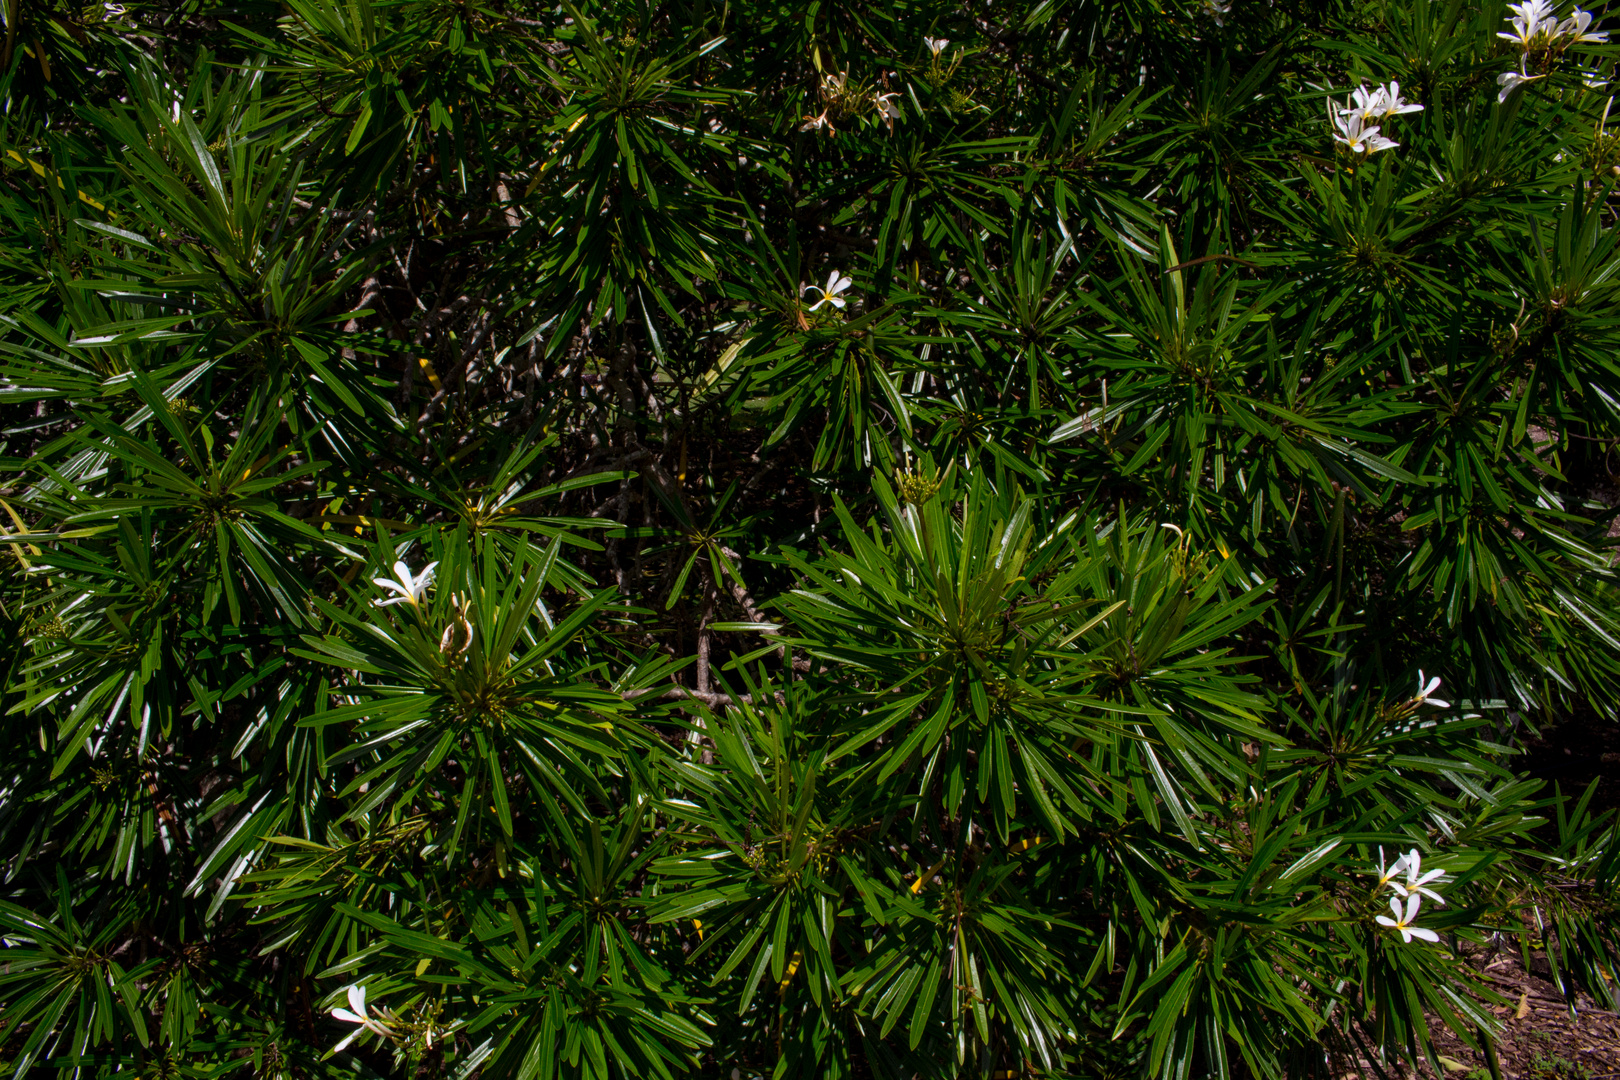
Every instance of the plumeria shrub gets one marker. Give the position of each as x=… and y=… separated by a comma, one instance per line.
x=749, y=540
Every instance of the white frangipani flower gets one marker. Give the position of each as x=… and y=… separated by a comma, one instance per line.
x=1363, y=101
x=1424, y=690
x=1510, y=81
x=1352, y=130
x=1403, y=920
x=1575, y=26
x=831, y=292
x=1535, y=23
x=1379, y=102
x=1416, y=880
x=357, y=1014
x=410, y=587
x=936, y=45
x=1393, y=105
x=1394, y=870
x=1530, y=19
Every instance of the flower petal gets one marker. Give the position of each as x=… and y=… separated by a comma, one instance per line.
x=1420, y=932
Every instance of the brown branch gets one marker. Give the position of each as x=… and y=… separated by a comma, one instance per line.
x=1211, y=258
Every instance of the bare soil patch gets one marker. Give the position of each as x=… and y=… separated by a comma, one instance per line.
x=1540, y=1038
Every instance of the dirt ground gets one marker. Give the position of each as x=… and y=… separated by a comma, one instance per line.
x=1539, y=1041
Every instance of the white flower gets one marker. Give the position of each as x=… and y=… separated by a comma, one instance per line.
x=1510, y=81
x=1575, y=26
x=1403, y=922
x=1529, y=19
x=1378, y=103
x=1355, y=134
x=836, y=284
x=409, y=587
x=1394, y=870
x=1363, y=102
x=1416, y=881
x=1427, y=688
x=358, y=1015
x=816, y=122
x=936, y=45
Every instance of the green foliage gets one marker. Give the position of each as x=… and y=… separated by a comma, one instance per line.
x=715, y=540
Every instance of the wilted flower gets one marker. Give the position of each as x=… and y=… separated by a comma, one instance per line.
x=816, y=122
x=1423, y=698
x=887, y=108
x=936, y=45
x=1403, y=921
x=1353, y=131
x=1416, y=881
x=836, y=284
x=459, y=634
x=359, y=1015
x=410, y=588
